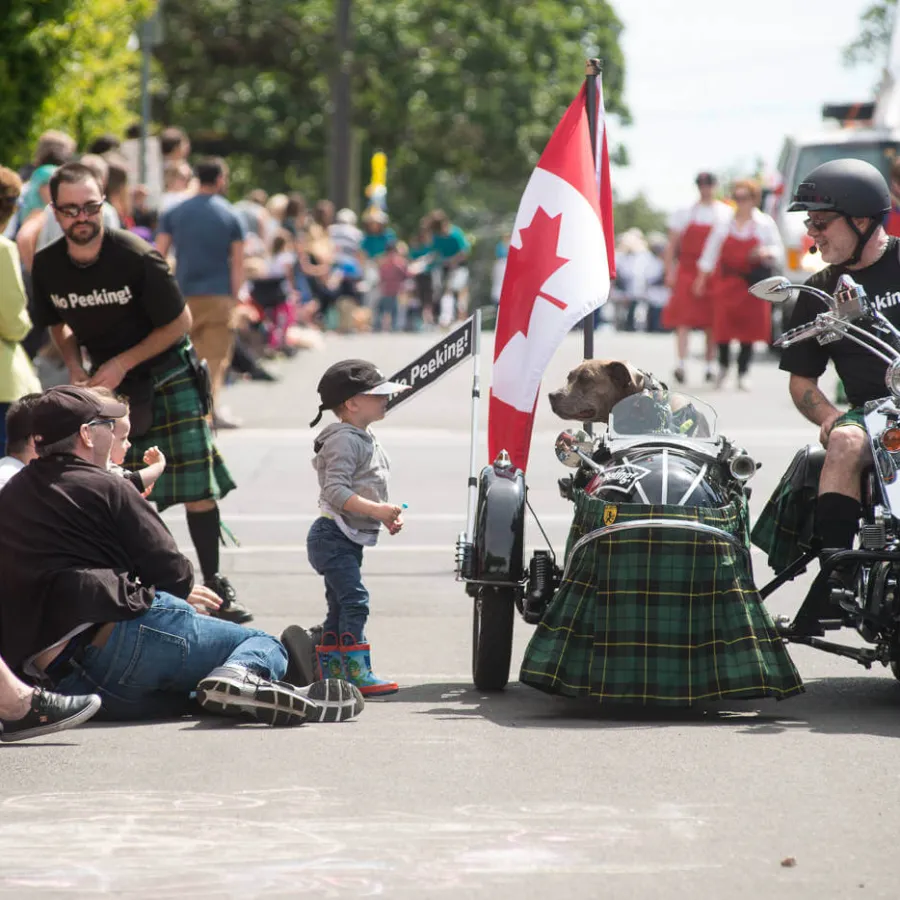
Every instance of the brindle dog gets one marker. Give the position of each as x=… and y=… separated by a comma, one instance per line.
x=593, y=388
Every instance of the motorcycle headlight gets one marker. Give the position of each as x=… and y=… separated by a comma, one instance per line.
x=892, y=378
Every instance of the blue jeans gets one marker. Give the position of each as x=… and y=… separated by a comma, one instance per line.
x=339, y=560
x=150, y=666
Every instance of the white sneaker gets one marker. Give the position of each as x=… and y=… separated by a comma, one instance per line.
x=235, y=691
x=744, y=383
x=720, y=378
x=336, y=700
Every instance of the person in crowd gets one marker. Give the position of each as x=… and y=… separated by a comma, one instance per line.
x=740, y=250
x=353, y=472
x=846, y=201
x=19, y=438
x=376, y=237
x=498, y=271
x=347, y=240
x=174, y=144
x=686, y=309
x=318, y=255
x=177, y=179
x=98, y=599
x=452, y=250
x=28, y=712
x=393, y=272
x=276, y=206
x=657, y=292
x=31, y=217
x=17, y=377
x=635, y=266
x=295, y=213
x=104, y=144
x=422, y=256
x=113, y=295
x=118, y=190
x=207, y=238
x=255, y=216
x=53, y=148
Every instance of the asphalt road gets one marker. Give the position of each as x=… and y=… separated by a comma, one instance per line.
x=442, y=791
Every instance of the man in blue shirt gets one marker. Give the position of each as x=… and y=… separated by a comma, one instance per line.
x=207, y=238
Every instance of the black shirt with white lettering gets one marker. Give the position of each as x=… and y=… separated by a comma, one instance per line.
x=112, y=304
x=861, y=372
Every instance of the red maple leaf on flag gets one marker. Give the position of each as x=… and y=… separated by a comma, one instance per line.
x=528, y=269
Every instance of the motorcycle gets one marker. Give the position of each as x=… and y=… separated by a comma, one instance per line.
x=872, y=605
x=661, y=448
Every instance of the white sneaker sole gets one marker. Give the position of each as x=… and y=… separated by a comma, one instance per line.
x=337, y=700
x=271, y=704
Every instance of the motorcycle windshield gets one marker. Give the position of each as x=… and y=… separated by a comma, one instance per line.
x=663, y=413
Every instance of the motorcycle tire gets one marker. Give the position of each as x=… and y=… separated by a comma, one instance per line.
x=493, y=612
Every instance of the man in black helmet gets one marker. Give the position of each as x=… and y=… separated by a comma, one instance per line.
x=846, y=201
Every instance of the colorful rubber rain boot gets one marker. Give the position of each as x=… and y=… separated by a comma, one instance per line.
x=358, y=668
x=329, y=659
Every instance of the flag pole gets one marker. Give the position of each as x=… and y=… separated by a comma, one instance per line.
x=592, y=70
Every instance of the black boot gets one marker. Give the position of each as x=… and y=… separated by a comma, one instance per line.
x=230, y=610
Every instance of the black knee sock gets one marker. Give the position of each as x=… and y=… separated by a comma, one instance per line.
x=204, y=529
x=837, y=520
x=724, y=355
x=744, y=356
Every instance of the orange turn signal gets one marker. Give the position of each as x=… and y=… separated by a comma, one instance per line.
x=890, y=440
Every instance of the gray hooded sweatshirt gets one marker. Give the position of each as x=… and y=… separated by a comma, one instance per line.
x=350, y=461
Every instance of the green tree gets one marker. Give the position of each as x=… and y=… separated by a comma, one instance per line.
x=469, y=89
x=874, y=37
x=638, y=213
x=68, y=65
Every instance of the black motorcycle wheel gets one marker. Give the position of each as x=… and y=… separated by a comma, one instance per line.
x=895, y=668
x=492, y=637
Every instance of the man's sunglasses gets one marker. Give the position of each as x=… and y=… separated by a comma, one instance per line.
x=100, y=422
x=71, y=211
x=819, y=224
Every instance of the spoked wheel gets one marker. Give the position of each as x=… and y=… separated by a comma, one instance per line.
x=492, y=637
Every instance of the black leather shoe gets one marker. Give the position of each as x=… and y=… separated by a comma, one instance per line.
x=301, y=653
x=50, y=712
x=230, y=610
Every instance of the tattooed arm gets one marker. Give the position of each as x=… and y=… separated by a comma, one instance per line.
x=814, y=405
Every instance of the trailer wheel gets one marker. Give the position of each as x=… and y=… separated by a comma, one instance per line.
x=492, y=637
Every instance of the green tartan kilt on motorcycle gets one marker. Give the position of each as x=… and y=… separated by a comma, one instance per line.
x=658, y=616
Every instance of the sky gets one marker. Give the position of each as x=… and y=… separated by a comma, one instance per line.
x=715, y=85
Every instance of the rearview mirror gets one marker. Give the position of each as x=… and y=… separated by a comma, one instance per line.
x=775, y=289
x=567, y=445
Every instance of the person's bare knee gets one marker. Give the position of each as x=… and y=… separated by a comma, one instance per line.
x=200, y=506
x=846, y=456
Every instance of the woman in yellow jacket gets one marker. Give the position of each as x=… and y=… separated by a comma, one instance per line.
x=17, y=376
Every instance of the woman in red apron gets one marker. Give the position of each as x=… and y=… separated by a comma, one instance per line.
x=735, y=252
x=689, y=307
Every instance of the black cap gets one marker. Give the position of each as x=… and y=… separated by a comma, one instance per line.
x=849, y=186
x=349, y=377
x=62, y=410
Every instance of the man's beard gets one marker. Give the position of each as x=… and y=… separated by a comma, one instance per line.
x=82, y=236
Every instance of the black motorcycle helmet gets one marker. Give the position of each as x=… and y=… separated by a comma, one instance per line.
x=854, y=188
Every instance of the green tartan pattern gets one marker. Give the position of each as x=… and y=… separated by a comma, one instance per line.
x=195, y=469
x=659, y=617
x=786, y=525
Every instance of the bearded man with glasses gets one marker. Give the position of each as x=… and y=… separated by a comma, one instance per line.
x=111, y=304
x=847, y=200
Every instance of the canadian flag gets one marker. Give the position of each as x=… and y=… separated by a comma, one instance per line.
x=559, y=269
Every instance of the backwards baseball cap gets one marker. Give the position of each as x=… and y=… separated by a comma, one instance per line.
x=349, y=377
x=62, y=410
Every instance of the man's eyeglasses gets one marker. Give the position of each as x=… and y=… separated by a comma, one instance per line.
x=819, y=224
x=71, y=211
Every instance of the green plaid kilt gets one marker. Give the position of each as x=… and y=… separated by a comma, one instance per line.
x=786, y=525
x=195, y=469
x=658, y=616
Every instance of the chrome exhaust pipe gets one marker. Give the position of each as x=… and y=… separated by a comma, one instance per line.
x=742, y=467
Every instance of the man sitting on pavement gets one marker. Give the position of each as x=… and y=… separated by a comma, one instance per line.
x=93, y=583
x=19, y=440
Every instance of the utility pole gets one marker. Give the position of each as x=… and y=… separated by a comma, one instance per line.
x=339, y=189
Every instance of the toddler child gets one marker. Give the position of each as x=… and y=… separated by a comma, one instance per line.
x=353, y=472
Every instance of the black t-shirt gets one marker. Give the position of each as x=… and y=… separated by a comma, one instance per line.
x=112, y=304
x=861, y=372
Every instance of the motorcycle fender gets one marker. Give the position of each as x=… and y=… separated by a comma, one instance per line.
x=500, y=525
x=887, y=464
